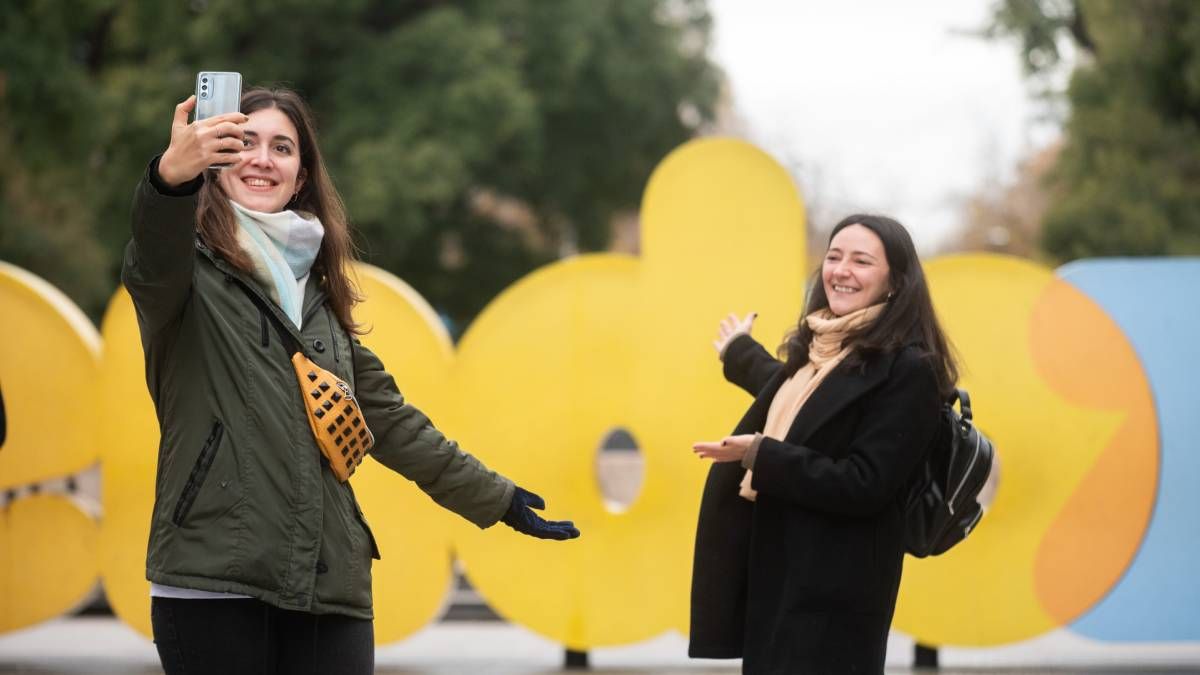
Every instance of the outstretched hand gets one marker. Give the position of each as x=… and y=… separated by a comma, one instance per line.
x=731, y=327
x=728, y=449
x=520, y=517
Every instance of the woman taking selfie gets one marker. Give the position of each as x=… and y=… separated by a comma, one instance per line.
x=259, y=556
x=799, y=545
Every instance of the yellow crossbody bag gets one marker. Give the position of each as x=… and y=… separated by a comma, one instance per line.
x=334, y=417
x=333, y=414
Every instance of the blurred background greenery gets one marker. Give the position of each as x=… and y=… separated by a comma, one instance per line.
x=473, y=141
x=476, y=140
x=1125, y=179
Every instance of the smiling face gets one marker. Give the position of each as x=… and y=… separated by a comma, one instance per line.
x=268, y=172
x=855, y=271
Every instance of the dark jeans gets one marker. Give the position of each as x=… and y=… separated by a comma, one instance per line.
x=229, y=636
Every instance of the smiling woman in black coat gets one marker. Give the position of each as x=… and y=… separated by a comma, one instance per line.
x=799, y=545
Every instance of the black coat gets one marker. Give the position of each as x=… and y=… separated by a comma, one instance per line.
x=804, y=579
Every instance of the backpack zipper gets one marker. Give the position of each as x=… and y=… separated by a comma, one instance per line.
x=974, y=521
x=966, y=474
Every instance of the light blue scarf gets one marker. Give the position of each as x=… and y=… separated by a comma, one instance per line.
x=282, y=247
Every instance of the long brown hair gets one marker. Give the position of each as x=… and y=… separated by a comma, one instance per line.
x=907, y=318
x=218, y=225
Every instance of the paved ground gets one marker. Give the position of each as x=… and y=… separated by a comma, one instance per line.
x=103, y=645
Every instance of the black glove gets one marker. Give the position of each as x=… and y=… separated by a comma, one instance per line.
x=520, y=517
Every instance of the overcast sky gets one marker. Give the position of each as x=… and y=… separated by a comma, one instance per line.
x=880, y=105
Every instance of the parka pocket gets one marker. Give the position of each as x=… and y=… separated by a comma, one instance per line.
x=367, y=528
x=199, y=472
x=362, y=520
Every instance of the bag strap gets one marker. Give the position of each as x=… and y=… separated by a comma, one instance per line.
x=964, y=403
x=285, y=336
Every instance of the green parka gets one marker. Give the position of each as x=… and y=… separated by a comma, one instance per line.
x=242, y=501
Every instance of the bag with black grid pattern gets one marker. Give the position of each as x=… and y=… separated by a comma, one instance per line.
x=333, y=415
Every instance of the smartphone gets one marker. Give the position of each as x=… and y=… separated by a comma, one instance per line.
x=217, y=93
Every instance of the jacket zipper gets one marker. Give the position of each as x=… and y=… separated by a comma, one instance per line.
x=199, y=472
x=232, y=276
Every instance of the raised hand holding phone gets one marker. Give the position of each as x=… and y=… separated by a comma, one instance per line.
x=200, y=144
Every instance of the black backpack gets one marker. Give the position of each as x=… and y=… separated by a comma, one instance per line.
x=941, y=507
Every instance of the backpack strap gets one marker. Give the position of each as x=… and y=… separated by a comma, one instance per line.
x=964, y=403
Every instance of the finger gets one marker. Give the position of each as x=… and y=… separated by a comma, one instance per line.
x=521, y=495
x=536, y=529
x=718, y=344
x=231, y=118
x=563, y=529
x=221, y=155
x=544, y=529
x=181, y=111
x=567, y=529
x=533, y=501
x=229, y=145
x=750, y=318
x=706, y=446
x=226, y=129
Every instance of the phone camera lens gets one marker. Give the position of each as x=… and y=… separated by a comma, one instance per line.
x=203, y=87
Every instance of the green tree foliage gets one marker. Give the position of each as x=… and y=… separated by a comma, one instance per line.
x=561, y=107
x=1128, y=180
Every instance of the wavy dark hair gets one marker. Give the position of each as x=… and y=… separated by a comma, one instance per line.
x=218, y=225
x=907, y=318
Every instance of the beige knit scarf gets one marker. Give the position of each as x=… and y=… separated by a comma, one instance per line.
x=825, y=352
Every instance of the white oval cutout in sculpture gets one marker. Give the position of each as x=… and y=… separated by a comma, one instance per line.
x=620, y=469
